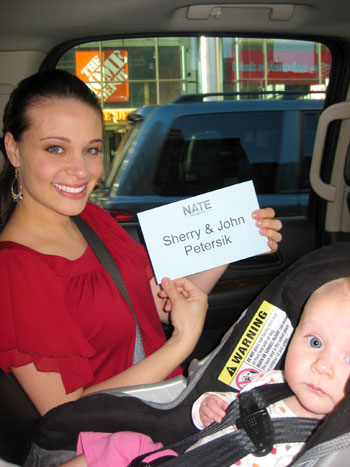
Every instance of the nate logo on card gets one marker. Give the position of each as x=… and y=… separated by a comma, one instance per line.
x=197, y=208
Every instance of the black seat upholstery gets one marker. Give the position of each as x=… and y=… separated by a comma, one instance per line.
x=18, y=417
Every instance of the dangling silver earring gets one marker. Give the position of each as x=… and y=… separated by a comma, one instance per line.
x=16, y=185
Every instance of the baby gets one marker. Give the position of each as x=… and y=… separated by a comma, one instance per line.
x=317, y=368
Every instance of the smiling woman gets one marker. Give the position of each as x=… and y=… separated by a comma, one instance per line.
x=52, y=123
x=66, y=330
x=57, y=159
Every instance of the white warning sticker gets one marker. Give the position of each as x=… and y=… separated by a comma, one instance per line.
x=260, y=347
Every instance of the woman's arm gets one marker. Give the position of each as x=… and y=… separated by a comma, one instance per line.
x=189, y=305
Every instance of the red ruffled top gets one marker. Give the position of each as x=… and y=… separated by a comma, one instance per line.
x=68, y=316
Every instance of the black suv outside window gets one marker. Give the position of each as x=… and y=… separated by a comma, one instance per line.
x=206, y=152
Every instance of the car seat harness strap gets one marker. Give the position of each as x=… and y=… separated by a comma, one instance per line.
x=256, y=422
x=256, y=432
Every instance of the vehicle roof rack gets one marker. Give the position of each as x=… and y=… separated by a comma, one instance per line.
x=135, y=117
x=190, y=98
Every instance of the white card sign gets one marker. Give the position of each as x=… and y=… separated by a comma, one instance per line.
x=203, y=232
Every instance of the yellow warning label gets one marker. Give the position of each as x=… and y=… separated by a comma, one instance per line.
x=246, y=342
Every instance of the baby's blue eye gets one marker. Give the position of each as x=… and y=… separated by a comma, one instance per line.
x=315, y=342
x=348, y=360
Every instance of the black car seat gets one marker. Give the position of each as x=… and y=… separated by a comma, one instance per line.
x=18, y=417
x=56, y=434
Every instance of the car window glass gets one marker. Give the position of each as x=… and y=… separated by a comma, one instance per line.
x=191, y=154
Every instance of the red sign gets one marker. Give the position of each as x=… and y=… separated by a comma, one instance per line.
x=282, y=66
x=107, y=80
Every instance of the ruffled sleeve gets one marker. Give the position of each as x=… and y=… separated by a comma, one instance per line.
x=35, y=324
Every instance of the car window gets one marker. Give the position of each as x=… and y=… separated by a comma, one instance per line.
x=212, y=150
x=185, y=153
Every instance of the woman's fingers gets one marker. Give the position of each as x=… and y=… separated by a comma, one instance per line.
x=264, y=213
x=188, y=305
x=269, y=226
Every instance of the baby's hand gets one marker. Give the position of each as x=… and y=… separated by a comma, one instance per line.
x=212, y=409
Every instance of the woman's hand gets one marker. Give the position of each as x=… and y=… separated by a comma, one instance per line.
x=269, y=226
x=188, y=305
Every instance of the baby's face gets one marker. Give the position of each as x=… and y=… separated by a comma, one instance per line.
x=318, y=360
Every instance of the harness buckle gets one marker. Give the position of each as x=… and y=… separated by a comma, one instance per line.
x=256, y=423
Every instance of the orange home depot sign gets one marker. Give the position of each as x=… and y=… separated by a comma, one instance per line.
x=107, y=79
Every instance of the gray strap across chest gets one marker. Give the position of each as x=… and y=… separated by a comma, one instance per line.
x=107, y=261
